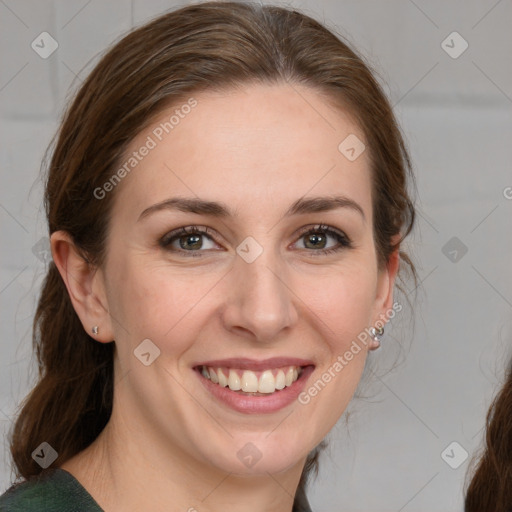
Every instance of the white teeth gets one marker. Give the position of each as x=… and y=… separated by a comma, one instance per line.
x=288, y=379
x=234, y=381
x=249, y=382
x=213, y=376
x=223, y=380
x=267, y=382
x=280, y=380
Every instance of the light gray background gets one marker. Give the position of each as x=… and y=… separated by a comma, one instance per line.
x=457, y=117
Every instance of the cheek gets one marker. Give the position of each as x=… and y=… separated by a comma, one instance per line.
x=343, y=300
x=150, y=301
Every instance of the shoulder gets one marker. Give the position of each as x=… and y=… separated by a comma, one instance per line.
x=53, y=490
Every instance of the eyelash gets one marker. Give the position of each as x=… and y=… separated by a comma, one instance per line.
x=343, y=240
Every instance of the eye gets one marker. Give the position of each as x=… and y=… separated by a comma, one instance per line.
x=188, y=239
x=316, y=238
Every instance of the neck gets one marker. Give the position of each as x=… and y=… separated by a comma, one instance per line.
x=124, y=470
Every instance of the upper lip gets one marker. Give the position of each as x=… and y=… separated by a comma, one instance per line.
x=244, y=363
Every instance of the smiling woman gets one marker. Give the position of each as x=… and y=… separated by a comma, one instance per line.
x=205, y=322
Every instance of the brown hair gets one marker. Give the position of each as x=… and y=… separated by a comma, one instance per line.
x=213, y=44
x=491, y=486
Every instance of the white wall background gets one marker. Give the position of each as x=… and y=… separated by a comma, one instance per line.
x=457, y=116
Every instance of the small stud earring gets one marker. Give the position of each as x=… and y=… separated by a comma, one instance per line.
x=95, y=329
x=376, y=334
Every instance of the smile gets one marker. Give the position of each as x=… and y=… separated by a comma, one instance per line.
x=255, y=382
x=254, y=386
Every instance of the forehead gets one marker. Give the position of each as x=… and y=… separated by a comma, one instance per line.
x=260, y=145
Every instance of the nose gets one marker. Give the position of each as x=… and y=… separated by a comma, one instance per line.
x=260, y=303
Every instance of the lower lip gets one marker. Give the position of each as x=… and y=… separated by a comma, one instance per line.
x=262, y=404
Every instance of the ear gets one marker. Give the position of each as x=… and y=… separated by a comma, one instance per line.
x=85, y=285
x=385, y=285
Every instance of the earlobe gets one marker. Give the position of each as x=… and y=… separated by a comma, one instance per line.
x=384, y=298
x=387, y=283
x=84, y=285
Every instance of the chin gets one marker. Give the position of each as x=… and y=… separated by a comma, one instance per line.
x=260, y=455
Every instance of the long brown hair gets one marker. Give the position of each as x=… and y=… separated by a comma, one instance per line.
x=490, y=488
x=213, y=44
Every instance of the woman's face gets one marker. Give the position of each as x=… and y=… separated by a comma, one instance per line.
x=257, y=295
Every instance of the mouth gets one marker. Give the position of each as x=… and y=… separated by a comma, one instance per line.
x=249, y=382
x=252, y=386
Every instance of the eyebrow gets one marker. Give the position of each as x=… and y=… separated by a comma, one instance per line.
x=220, y=210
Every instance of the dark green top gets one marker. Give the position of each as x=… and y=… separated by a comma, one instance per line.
x=56, y=490
x=53, y=490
